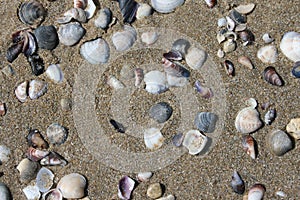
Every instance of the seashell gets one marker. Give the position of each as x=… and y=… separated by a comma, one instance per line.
x=46, y=37
x=194, y=141
x=181, y=45
x=77, y=14
x=244, y=60
x=28, y=170
x=195, y=58
x=247, y=37
x=251, y=102
x=220, y=53
x=2, y=109
x=169, y=197
x=229, y=67
x=237, y=183
x=21, y=91
x=104, y=18
x=161, y=112
x=267, y=38
x=155, y=82
x=32, y=12
x=166, y=6
x=72, y=186
x=149, y=37
x=35, y=154
x=144, y=176
x=70, y=34
x=5, y=192
x=114, y=83
x=139, y=76
x=230, y=23
x=30, y=45
x=54, y=194
x=178, y=139
x=240, y=27
x=267, y=54
x=14, y=51
x=174, y=81
x=173, y=55
x=44, y=179
x=80, y=4
x=66, y=104
x=278, y=142
x=124, y=40
x=154, y=191
x=204, y=92
x=52, y=159
x=247, y=120
x=296, y=69
x=245, y=9
x=55, y=73
x=125, y=187
x=211, y=3
x=153, y=138
x=90, y=9
x=249, y=145
x=293, y=128
x=237, y=17
x=56, y=134
x=221, y=37
x=290, y=44
x=95, y=51
x=35, y=139
x=37, y=88
x=229, y=46
x=36, y=63
x=206, y=121
x=144, y=10
x=128, y=9
x=256, y=192
x=270, y=116
x=32, y=192
x=118, y=126
x=222, y=22
x=4, y=154
x=175, y=69
x=280, y=194
x=229, y=34
x=271, y=76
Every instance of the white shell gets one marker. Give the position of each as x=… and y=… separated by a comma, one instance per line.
x=267, y=38
x=114, y=83
x=72, y=186
x=54, y=194
x=166, y=6
x=245, y=9
x=32, y=192
x=104, y=18
x=220, y=53
x=222, y=22
x=90, y=9
x=44, y=179
x=123, y=40
x=194, y=141
x=256, y=192
x=169, y=197
x=149, y=37
x=267, y=54
x=156, y=82
x=144, y=10
x=55, y=73
x=70, y=34
x=74, y=13
x=174, y=81
x=144, y=176
x=290, y=45
x=195, y=58
x=4, y=154
x=37, y=88
x=95, y=51
x=153, y=138
x=244, y=60
x=247, y=120
x=21, y=91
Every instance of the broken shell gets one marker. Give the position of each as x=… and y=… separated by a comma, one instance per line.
x=114, y=83
x=204, y=92
x=206, y=121
x=229, y=46
x=124, y=40
x=32, y=192
x=240, y=27
x=181, y=45
x=21, y=91
x=293, y=128
x=72, y=186
x=36, y=63
x=35, y=139
x=149, y=37
x=249, y=145
x=271, y=76
x=195, y=58
x=37, y=88
x=14, y=51
x=296, y=69
x=117, y=125
x=144, y=10
x=90, y=9
x=139, y=76
x=270, y=116
x=53, y=159
x=54, y=194
x=144, y=176
x=70, y=34
x=95, y=51
x=5, y=192
x=256, y=192
x=244, y=60
x=32, y=12
x=104, y=18
x=211, y=3
x=247, y=120
x=229, y=67
x=44, y=179
x=237, y=17
x=56, y=134
x=237, y=183
x=4, y=154
x=279, y=142
x=75, y=13
x=28, y=170
x=230, y=23
x=2, y=109
x=155, y=82
x=172, y=55
x=194, y=141
x=66, y=104
x=128, y=9
x=178, y=139
x=154, y=191
x=166, y=6
x=245, y=9
x=267, y=38
x=125, y=187
x=35, y=154
x=267, y=54
x=153, y=138
x=221, y=37
x=220, y=53
x=161, y=112
x=55, y=73
x=174, y=69
x=46, y=37
x=290, y=45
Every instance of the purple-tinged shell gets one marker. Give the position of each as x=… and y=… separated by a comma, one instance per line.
x=36, y=140
x=35, y=154
x=173, y=55
x=139, y=76
x=203, y=91
x=125, y=188
x=229, y=67
x=237, y=183
x=256, y=192
x=271, y=76
x=174, y=69
x=52, y=159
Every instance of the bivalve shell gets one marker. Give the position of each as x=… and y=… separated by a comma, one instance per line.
x=32, y=12
x=54, y=194
x=153, y=138
x=194, y=141
x=128, y=9
x=21, y=91
x=95, y=51
x=44, y=179
x=290, y=45
x=37, y=88
x=156, y=82
x=28, y=170
x=52, y=159
x=72, y=186
x=279, y=142
x=124, y=40
x=166, y=6
x=181, y=45
x=104, y=18
x=125, y=187
x=195, y=58
x=296, y=70
x=74, y=13
x=90, y=9
x=46, y=37
x=55, y=73
x=70, y=34
x=249, y=145
x=144, y=10
x=35, y=139
x=267, y=38
x=32, y=192
x=4, y=154
x=246, y=8
x=268, y=54
x=244, y=60
x=57, y=134
x=161, y=112
x=206, y=121
x=256, y=192
x=293, y=128
x=247, y=120
x=144, y=176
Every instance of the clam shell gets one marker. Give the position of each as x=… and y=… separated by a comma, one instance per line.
x=5, y=192
x=4, y=154
x=124, y=40
x=237, y=183
x=278, y=142
x=237, y=17
x=204, y=92
x=72, y=186
x=194, y=141
x=290, y=45
x=44, y=179
x=161, y=112
x=90, y=9
x=155, y=82
x=128, y=9
x=46, y=37
x=293, y=128
x=166, y=6
x=181, y=45
x=195, y=58
x=246, y=8
x=247, y=120
x=271, y=76
x=247, y=37
x=296, y=69
x=144, y=176
x=229, y=46
x=95, y=51
x=149, y=37
x=154, y=191
x=244, y=60
x=32, y=12
x=70, y=34
x=256, y=192
x=114, y=83
x=54, y=194
x=21, y=91
x=206, y=121
x=268, y=54
x=55, y=73
x=32, y=192
x=144, y=10
x=37, y=88
x=28, y=170
x=153, y=138
x=35, y=139
x=250, y=146
x=125, y=187
x=75, y=13
x=14, y=51
x=56, y=134
x=104, y=18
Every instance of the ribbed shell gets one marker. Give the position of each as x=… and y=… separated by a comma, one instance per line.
x=247, y=120
x=166, y=6
x=206, y=121
x=32, y=12
x=125, y=39
x=46, y=37
x=70, y=34
x=95, y=51
x=270, y=75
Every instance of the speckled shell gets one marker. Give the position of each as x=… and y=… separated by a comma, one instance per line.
x=55, y=73
x=247, y=120
x=155, y=82
x=278, y=142
x=195, y=58
x=123, y=40
x=44, y=179
x=153, y=138
x=72, y=186
x=194, y=141
x=206, y=121
x=21, y=91
x=161, y=112
x=271, y=76
x=37, y=88
x=28, y=170
x=4, y=154
x=32, y=12
x=70, y=34
x=95, y=51
x=57, y=134
x=290, y=45
x=125, y=187
x=268, y=54
x=104, y=18
x=4, y=192
x=166, y=6
x=32, y=192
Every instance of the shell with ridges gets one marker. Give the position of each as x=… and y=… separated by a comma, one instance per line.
x=161, y=112
x=123, y=40
x=206, y=121
x=32, y=12
x=37, y=88
x=28, y=170
x=46, y=37
x=153, y=138
x=271, y=76
x=194, y=141
x=166, y=6
x=70, y=34
x=95, y=51
x=290, y=45
x=128, y=9
x=247, y=120
x=72, y=186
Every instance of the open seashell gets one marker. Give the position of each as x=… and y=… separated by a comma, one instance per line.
x=124, y=40
x=144, y=10
x=278, y=142
x=55, y=73
x=246, y=8
x=80, y=4
x=128, y=9
x=72, y=186
x=181, y=45
x=174, y=81
x=37, y=88
x=54, y=194
x=230, y=23
x=206, y=121
x=271, y=76
x=210, y=3
x=114, y=83
x=247, y=37
x=166, y=6
x=75, y=13
x=32, y=192
x=293, y=128
x=35, y=139
x=194, y=141
x=296, y=70
x=237, y=183
x=56, y=134
x=125, y=188
x=256, y=192
x=28, y=170
x=5, y=192
x=139, y=76
x=70, y=34
x=36, y=63
x=35, y=154
x=161, y=112
x=32, y=12
x=270, y=116
x=175, y=69
x=144, y=176
x=195, y=58
x=249, y=145
x=229, y=45
x=149, y=37
x=46, y=37
x=90, y=9
x=290, y=45
x=21, y=91
x=204, y=92
x=267, y=38
x=44, y=179
x=153, y=138
x=155, y=82
x=95, y=51
x=104, y=18
x=30, y=45
x=4, y=154
x=52, y=159
x=268, y=54
x=244, y=60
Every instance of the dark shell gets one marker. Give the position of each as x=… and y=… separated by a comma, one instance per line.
x=30, y=44
x=178, y=139
x=128, y=9
x=161, y=112
x=247, y=36
x=118, y=126
x=35, y=139
x=237, y=17
x=14, y=51
x=270, y=75
x=206, y=121
x=173, y=55
x=182, y=46
x=46, y=37
x=237, y=183
x=5, y=192
x=296, y=69
x=175, y=69
x=32, y=12
x=229, y=67
x=37, y=64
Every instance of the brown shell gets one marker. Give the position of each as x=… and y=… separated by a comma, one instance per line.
x=35, y=139
x=271, y=76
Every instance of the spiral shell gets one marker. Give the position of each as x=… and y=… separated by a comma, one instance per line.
x=290, y=45
x=271, y=76
x=123, y=40
x=166, y=6
x=72, y=186
x=95, y=51
x=206, y=121
x=70, y=34
x=32, y=12
x=46, y=37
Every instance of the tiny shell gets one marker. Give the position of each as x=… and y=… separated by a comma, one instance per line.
x=240, y=27
x=55, y=73
x=80, y=4
x=290, y=45
x=244, y=60
x=204, y=92
x=270, y=116
x=247, y=37
x=166, y=6
x=46, y=37
x=155, y=82
x=144, y=176
x=114, y=83
x=194, y=141
x=35, y=154
x=268, y=54
x=124, y=40
x=70, y=34
x=206, y=121
x=44, y=179
x=72, y=186
x=90, y=9
x=21, y=91
x=32, y=12
x=125, y=187
x=267, y=38
x=153, y=138
x=154, y=191
x=104, y=18
x=117, y=125
x=230, y=23
x=144, y=10
x=256, y=192
x=54, y=194
x=271, y=76
x=149, y=37
x=35, y=139
x=37, y=88
x=128, y=9
x=139, y=76
x=229, y=67
x=32, y=192
x=278, y=142
x=229, y=46
x=293, y=128
x=247, y=120
x=28, y=170
x=195, y=58
x=95, y=51
x=220, y=53
x=66, y=104
x=210, y=3
x=237, y=183
x=2, y=109
x=4, y=154
x=222, y=22
x=161, y=112
x=56, y=134
x=249, y=145
x=53, y=159
x=296, y=70
x=245, y=9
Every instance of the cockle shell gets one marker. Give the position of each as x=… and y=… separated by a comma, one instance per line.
x=54, y=194
x=125, y=187
x=256, y=192
x=70, y=34
x=46, y=37
x=166, y=6
x=32, y=12
x=55, y=73
x=28, y=170
x=149, y=37
x=249, y=145
x=21, y=91
x=5, y=192
x=278, y=142
x=153, y=138
x=161, y=112
x=37, y=88
x=290, y=45
x=293, y=128
x=44, y=179
x=195, y=58
x=56, y=134
x=4, y=154
x=36, y=154
x=194, y=141
x=128, y=9
x=271, y=76
x=155, y=82
x=204, y=92
x=104, y=18
x=144, y=176
x=237, y=183
x=72, y=186
x=123, y=40
x=206, y=121
x=95, y=51
x=32, y=192
x=53, y=159
x=35, y=139
x=268, y=54
x=144, y=10
x=75, y=13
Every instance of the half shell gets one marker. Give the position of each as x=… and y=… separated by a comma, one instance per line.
x=161, y=112
x=95, y=51
x=153, y=138
x=72, y=186
x=104, y=18
x=194, y=141
x=44, y=179
x=28, y=170
x=166, y=6
x=237, y=183
x=70, y=34
x=290, y=45
x=32, y=192
x=206, y=121
x=53, y=194
x=57, y=134
x=123, y=40
x=32, y=12
x=46, y=37
x=256, y=192
x=128, y=9
x=37, y=88
x=55, y=73
x=268, y=54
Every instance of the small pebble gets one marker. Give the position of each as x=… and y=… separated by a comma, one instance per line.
x=220, y=53
x=279, y=142
x=66, y=104
x=144, y=176
x=293, y=128
x=154, y=191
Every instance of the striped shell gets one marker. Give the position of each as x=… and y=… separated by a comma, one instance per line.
x=32, y=12
x=70, y=34
x=123, y=40
x=206, y=121
x=247, y=120
x=95, y=51
x=271, y=76
x=166, y=6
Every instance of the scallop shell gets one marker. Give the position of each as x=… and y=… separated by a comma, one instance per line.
x=149, y=37
x=290, y=45
x=293, y=128
x=144, y=10
x=296, y=70
x=124, y=40
x=72, y=186
x=37, y=88
x=247, y=120
x=95, y=51
x=256, y=192
x=128, y=9
x=57, y=134
x=54, y=194
x=195, y=58
x=35, y=139
x=32, y=12
x=21, y=91
x=246, y=8
x=244, y=60
x=104, y=18
x=5, y=192
x=278, y=142
x=206, y=121
x=268, y=54
x=46, y=37
x=28, y=170
x=44, y=179
x=271, y=76
x=32, y=192
x=204, y=92
x=125, y=187
x=53, y=159
x=55, y=73
x=4, y=154
x=237, y=183
x=90, y=9
x=144, y=176
x=155, y=82
x=70, y=34
x=161, y=112
x=153, y=138
x=194, y=141
x=166, y=6
x=249, y=145
x=75, y=13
